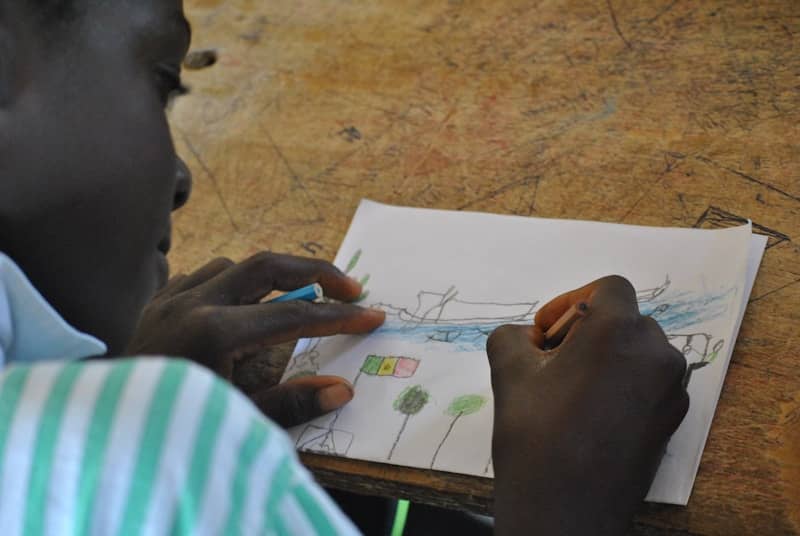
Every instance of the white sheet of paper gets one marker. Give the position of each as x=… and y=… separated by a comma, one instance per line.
x=447, y=279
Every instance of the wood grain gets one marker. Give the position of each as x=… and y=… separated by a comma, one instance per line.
x=664, y=112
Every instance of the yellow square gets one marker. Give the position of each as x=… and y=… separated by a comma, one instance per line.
x=387, y=367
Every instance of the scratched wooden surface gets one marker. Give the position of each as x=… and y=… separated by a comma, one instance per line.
x=666, y=112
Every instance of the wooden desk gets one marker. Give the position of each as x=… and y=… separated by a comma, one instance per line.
x=662, y=113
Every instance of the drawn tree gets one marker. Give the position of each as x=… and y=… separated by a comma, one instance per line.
x=409, y=402
x=353, y=261
x=459, y=407
x=364, y=279
x=332, y=440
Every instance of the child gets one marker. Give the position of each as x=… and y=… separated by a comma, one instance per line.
x=88, y=177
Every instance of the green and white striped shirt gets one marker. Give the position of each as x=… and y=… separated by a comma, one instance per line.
x=141, y=446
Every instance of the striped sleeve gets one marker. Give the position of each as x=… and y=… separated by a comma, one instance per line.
x=147, y=446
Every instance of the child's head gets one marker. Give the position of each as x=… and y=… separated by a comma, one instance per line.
x=87, y=167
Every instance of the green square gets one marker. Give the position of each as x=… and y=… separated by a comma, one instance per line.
x=372, y=364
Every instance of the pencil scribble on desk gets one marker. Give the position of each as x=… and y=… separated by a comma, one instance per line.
x=717, y=218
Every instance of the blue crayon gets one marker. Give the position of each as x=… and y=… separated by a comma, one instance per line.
x=312, y=292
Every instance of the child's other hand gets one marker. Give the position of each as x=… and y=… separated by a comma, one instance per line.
x=214, y=316
x=580, y=430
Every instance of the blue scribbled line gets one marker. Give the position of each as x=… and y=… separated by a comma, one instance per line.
x=462, y=338
x=683, y=309
x=674, y=311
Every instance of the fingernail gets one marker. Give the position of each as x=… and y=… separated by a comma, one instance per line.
x=334, y=396
x=377, y=313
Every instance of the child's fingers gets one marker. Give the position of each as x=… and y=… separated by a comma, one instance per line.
x=613, y=293
x=251, y=280
x=299, y=401
x=555, y=308
x=184, y=282
x=266, y=324
x=173, y=283
x=512, y=350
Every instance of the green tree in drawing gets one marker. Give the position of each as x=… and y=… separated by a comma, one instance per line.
x=460, y=406
x=364, y=279
x=409, y=402
x=353, y=261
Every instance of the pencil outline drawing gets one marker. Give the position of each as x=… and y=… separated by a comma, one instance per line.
x=460, y=406
x=429, y=320
x=409, y=402
x=323, y=439
x=450, y=321
x=442, y=317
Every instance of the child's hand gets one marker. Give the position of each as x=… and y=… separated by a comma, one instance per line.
x=580, y=430
x=214, y=316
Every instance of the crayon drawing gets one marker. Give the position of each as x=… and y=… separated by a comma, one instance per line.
x=409, y=403
x=460, y=406
x=333, y=440
x=444, y=317
x=364, y=279
x=447, y=279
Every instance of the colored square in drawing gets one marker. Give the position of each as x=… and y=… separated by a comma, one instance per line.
x=406, y=367
x=372, y=364
x=387, y=367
